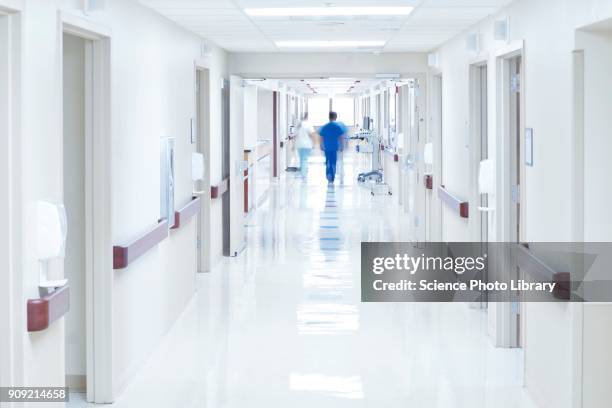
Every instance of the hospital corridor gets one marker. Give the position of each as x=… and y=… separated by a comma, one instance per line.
x=345, y=204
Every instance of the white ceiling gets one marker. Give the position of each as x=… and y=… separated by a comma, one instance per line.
x=224, y=22
x=327, y=86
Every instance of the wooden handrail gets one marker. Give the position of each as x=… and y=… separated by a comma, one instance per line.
x=428, y=180
x=123, y=255
x=528, y=262
x=220, y=189
x=44, y=311
x=461, y=207
x=183, y=215
x=392, y=151
x=264, y=150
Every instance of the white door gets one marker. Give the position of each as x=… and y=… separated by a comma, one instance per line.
x=8, y=288
x=414, y=168
x=237, y=166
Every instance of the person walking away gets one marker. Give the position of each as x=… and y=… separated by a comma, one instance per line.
x=331, y=142
x=304, y=144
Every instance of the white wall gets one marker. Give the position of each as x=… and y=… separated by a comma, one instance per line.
x=74, y=200
x=283, y=65
x=153, y=96
x=149, y=104
x=265, y=126
x=251, y=124
x=548, y=30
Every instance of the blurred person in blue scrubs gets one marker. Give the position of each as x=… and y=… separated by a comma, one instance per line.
x=304, y=144
x=332, y=140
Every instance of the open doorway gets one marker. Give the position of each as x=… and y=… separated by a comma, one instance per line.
x=86, y=177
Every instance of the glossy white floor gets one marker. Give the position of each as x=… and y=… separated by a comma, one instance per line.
x=283, y=325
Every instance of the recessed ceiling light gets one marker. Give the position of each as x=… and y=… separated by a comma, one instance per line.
x=328, y=11
x=329, y=44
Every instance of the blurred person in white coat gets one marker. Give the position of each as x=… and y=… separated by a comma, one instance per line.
x=304, y=144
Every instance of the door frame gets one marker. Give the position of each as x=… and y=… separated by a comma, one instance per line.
x=98, y=176
x=504, y=335
x=503, y=59
x=12, y=325
x=203, y=71
x=577, y=201
x=437, y=138
x=237, y=242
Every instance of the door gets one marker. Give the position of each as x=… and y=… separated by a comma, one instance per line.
x=419, y=131
x=11, y=304
x=479, y=146
x=482, y=146
x=414, y=165
x=505, y=316
x=436, y=224
x=275, y=135
x=226, y=159
x=516, y=175
x=237, y=166
x=203, y=146
x=74, y=186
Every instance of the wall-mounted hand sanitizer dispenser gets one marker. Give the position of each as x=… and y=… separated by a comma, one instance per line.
x=197, y=171
x=486, y=177
x=486, y=181
x=51, y=232
x=197, y=166
x=428, y=153
x=428, y=158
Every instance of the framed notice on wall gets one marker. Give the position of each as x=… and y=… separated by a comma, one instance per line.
x=529, y=147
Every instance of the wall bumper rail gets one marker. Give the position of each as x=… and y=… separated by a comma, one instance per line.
x=44, y=311
x=461, y=207
x=188, y=211
x=428, y=181
x=390, y=151
x=220, y=189
x=123, y=255
x=528, y=262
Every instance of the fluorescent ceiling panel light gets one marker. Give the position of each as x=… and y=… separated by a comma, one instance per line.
x=327, y=11
x=328, y=44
